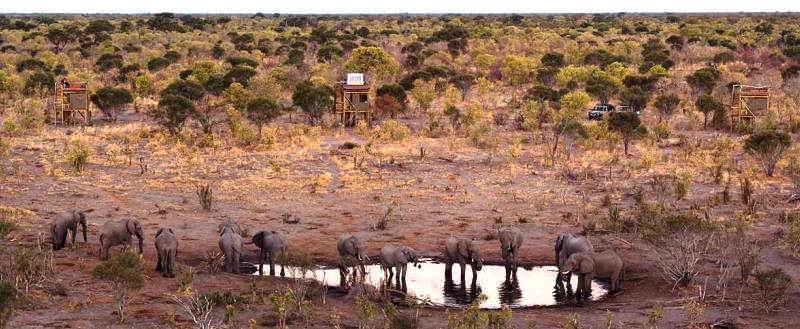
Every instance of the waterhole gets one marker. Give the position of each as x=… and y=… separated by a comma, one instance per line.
x=533, y=286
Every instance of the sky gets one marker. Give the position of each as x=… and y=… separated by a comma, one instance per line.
x=393, y=6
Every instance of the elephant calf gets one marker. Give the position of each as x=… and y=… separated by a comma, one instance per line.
x=230, y=243
x=588, y=265
x=350, y=247
x=167, y=251
x=118, y=233
x=462, y=251
x=510, y=243
x=67, y=222
x=397, y=257
x=273, y=245
x=566, y=245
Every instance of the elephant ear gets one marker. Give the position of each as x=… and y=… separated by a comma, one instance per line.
x=258, y=238
x=131, y=225
x=463, y=249
x=160, y=230
x=170, y=231
x=560, y=242
x=586, y=264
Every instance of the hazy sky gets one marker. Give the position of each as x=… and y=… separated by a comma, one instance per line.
x=393, y=6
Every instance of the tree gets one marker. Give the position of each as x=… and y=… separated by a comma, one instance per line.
x=704, y=79
x=240, y=74
x=261, y=111
x=124, y=272
x=99, y=26
x=553, y=59
x=464, y=83
x=157, y=64
x=143, y=86
x=61, y=37
x=424, y=93
x=628, y=125
x=108, y=62
x=237, y=96
x=516, y=71
x=372, y=59
x=602, y=87
x=111, y=100
x=666, y=105
x=395, y=91
x=707, y=104
x=388, y=104
x=767, y=147
x=202, y=70
x=6, y=87
x=314, y=100
x=566, y=127
x=635, y=97
x=172, y=112
x=39, y=83
x=542, y=93
x=574, y=101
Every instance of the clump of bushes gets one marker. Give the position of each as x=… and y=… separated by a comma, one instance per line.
x=8, y=296
x=774, y=286
x=78, y=156
x=391, y=130
x=124, y=272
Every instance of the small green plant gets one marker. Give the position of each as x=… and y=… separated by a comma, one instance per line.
x=609, y=318
x=573, y=322
x=471, y=318
x=655, y=314
x=747, y=189
x=185, y=278
x=8, y=297
x=774, y=286
x=229, y=311
x=692, y=310
x=6, y=227
x=792, y=236
x=366, y=310
x=499, y=319
x=78, y=156
x=391, y=130
x=124, y=272
x=280, y=304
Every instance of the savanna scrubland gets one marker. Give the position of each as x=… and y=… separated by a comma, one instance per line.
x=480, y=122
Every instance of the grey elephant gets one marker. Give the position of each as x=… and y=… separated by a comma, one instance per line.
x=350, y=247
x=510, y=242
x=115, y=233
x=274, y=246
x=566, y=245
x=397, y=257
x=167, y=251
x=462, y=251
x=230, y=243
x=229, y=223
x=67, y=222
x=589, y=265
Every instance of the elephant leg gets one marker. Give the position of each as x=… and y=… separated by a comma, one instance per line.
x=405, y=271
x=283, y=263
x=463, y=265
x=159, y=265
x=236, y=267
x=171, y=263
x=399, y=276
x=271, y=265
x=262, y=256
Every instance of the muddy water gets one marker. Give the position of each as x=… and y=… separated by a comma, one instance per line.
x=532, y=288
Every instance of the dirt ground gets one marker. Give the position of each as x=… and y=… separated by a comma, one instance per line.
x=455, y=189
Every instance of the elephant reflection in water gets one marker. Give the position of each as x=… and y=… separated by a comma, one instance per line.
x=510, y=293
x=460, y=294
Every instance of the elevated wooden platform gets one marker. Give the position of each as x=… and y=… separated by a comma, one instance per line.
x=70, y=104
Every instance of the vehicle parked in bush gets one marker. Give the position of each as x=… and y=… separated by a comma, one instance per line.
x=600, y=110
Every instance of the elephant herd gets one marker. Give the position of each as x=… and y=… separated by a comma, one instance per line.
x=573, y=254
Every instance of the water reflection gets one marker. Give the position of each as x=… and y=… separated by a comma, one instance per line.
x=530, y=287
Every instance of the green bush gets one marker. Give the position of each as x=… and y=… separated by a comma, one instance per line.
x=6, y=227
x=78, y=156
x=124, y=272
x=774, y=286
x=8, y=296
x=792, y=236
x=391, y=130
x=767, y=147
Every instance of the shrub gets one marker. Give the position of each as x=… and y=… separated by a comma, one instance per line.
x=31, y=267
x=30, y=114
x=391, y=130
x=8, y=296
x=205, y=195
x=628, y=125
x=768, y=147
x=314, y=100
x=111, y=100
x=124, y=272
x=78, y=156
x=774, y=286
x=6, y=227
x=261, y=111
x=792, y=236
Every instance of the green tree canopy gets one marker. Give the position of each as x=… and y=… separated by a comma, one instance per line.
x=628, y=125
x=704, y=80
x=111, y=100
x=372, y=59
x=602, y=87
x=707, y=104
x=261, y=111
x=666, y=105
x=767, y=147
x=313, y=99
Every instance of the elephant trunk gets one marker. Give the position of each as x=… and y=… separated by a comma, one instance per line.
x=83, y=226
x=141, y=243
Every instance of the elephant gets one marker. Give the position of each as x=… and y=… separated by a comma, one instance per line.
x=397, y=257
x=118, y=233
x=462, y=251
x=229, y=223
x=167, y=251
x=566, y=245
x=350, y=246
x=67, y=222
x=510, y=241
x=273, y=245
x=588, y=265
x=230, y=243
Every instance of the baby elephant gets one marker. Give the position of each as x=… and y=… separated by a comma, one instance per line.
x=462, y=251
x=118, y=233
x=566, y=245
x=273, y=245
x=167, y=251
x=230, y=243
x=350, y=247
x=397, y=257
x=604, y=265
x=510, y=243
x=67, y=222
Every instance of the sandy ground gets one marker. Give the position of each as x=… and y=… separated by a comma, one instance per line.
x=456, y=189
